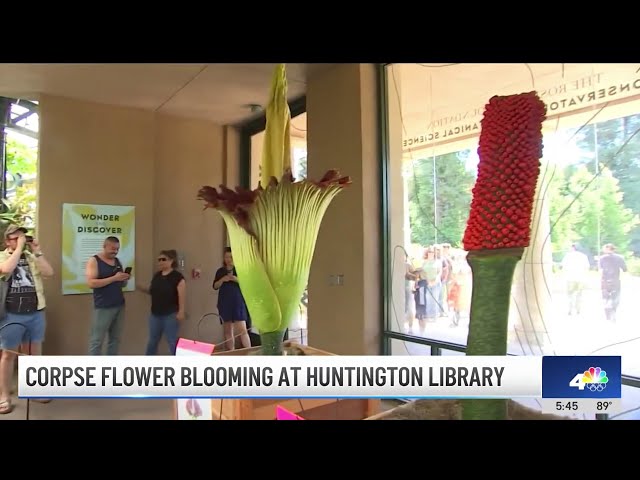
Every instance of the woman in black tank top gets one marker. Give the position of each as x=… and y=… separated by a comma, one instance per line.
x=168, y=293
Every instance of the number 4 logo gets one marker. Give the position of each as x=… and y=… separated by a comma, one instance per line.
x=577, y=381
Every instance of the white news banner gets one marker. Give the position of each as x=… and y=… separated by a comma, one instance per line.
x=279, y=376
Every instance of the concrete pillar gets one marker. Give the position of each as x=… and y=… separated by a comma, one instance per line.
x=531, y=293
x=343, y=133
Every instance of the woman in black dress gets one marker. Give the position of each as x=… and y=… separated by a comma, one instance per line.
x=231, y=305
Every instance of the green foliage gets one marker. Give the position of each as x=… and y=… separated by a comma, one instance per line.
x=22, y=165
x=562, y=212
x=598, y=216
x=21, y=159
x=452, y=183
x=23, y=203
x=602, y=211
x=588, y=204
x=11, y=214
x=633, y=266
x=618, y=150
x=595, y=200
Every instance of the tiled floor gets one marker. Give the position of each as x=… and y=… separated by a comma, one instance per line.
x=93, y=409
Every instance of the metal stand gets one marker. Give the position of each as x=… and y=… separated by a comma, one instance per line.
x=200, y=321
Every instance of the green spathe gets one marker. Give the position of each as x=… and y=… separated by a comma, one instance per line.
x=273, y=253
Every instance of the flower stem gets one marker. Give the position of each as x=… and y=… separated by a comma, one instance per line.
x=490, y=298
x=272, y=342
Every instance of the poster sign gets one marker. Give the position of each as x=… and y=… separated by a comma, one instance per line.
x=84, y=229
x=194, y=408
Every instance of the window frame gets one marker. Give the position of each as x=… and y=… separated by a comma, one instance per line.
x=387, y=333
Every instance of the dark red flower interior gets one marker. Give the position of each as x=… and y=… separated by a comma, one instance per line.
x=510, y=149
x=238, y=201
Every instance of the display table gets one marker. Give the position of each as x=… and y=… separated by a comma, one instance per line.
x=309, y=409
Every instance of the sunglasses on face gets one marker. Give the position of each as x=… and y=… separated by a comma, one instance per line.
x=162, y=259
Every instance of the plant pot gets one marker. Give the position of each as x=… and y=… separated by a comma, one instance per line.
x=307, y=408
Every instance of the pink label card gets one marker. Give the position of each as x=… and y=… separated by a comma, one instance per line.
x=284, y=414
x=191, y=347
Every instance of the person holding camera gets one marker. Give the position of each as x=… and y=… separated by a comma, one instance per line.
x=105, y=276
x=22, y=266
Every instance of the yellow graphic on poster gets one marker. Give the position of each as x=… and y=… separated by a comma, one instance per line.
x=84, y=230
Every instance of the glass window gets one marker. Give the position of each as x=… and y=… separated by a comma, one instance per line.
x=587, y=211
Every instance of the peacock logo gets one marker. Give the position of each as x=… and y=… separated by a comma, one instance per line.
x=594, y=379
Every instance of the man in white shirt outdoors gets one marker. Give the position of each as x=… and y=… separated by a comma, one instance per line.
x=575, y=266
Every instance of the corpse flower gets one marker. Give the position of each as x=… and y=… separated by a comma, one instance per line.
x=499, y=224
x=273, y=230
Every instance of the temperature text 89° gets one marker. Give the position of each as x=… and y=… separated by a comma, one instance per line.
x=579, y=406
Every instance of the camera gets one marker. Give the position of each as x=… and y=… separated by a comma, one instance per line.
x=29, y=238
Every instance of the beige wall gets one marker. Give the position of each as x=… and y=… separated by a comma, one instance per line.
x=257, y=143
x=189, y=154
x=92, y=153
x=342, y=119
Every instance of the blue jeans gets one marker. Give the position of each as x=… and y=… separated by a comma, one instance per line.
x=19, y=328
x=433, y=300
x=162, y=324
x=106, y=322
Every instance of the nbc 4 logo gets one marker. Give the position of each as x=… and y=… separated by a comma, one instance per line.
x=595, y=379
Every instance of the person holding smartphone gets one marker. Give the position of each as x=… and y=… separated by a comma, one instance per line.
x=23, y=266
x=106, y=277
x=231, y=305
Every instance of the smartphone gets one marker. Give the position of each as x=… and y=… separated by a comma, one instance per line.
x=128, y=270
